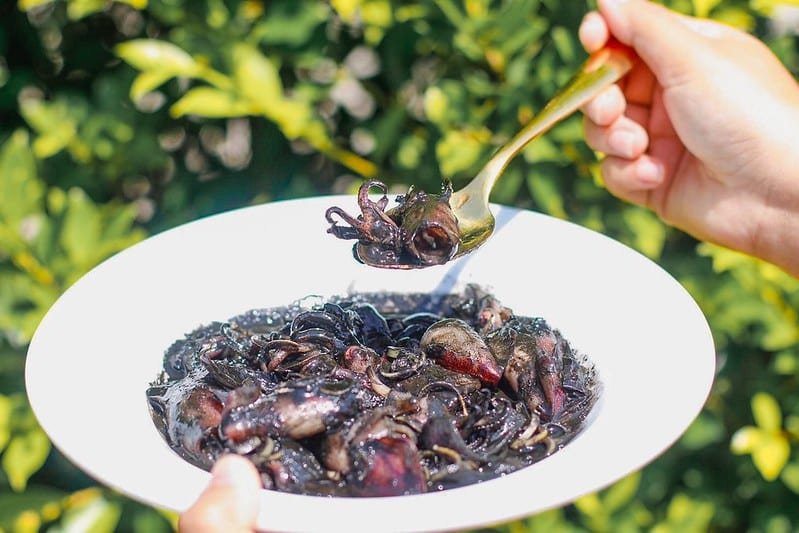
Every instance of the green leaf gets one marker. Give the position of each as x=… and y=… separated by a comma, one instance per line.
x=686, y=515
x=20, y=188
x=702, y=8
x=26, y=453
x=543, y=183
x=290, y=22
x=78, y=9
x=150, y=521
x=210, y=102
x=295, y=119
x=37, y=499
x=649, y=233
x=766, y=411
x=97, y=515
x=148, y=81
x=790, y=476
x=6, y=409
x=771, y=456
x=82, y=226
x=746, y=440
x=27, y=5
x=507, y=189
x=257, y=77
x=543, y=149
x=435, y=105
x=346, y=9
x=457, y=151
x=154, y=54
x=704, y=431
x=564, y=43
x=136, y=4
x=621, y=493
x=589, y=505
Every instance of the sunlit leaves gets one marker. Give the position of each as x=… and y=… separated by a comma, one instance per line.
x=148, y=81
x=597, y=510
x=20, y=190
x=346, y=9
x=26, y=447
x=47, y=251
x=766, y=442
x=704, y=431
x=685, y=514
x=544, y=188
x=702, y=8
x=24, y=455
x=88, y=511
x=257, y=77
x=435, y=105
x=648, y=232
x=90, y=233
x=253, y=87
x=459, y=151
x=210, y=102
x=6, y=408
x=290, y=22
x=157, y=55
x=761, y=301
x=78, y=9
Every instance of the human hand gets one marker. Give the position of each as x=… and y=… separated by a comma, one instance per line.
x=703, y=130
x=230, y=502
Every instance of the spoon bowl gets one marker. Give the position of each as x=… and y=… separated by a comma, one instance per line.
x=470, y=204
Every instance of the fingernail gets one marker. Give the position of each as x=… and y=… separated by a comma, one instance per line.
x=622, y=143
x=649, y=172
x=614, y=3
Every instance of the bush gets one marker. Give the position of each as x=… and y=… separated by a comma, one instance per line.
x=121, y=119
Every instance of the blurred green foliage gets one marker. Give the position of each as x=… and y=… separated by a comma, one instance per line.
x=120, y=119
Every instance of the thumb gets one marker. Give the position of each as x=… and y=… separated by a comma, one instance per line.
x=669, y=43
x=229, y=503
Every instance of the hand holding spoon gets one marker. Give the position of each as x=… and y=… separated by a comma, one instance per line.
x=427, y=229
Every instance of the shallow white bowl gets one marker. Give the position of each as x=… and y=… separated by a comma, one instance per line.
x=102, y=343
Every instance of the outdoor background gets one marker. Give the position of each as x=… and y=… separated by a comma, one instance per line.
x=122, y=119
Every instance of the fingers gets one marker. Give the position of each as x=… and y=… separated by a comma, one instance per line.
x=662, y=38
x=623, y=138
x=606, y=108
x=229, y=503
x=633, y=180
x=593, y=32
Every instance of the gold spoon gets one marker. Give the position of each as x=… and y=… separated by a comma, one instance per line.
x=470, y=204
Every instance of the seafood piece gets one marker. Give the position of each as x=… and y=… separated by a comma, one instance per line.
x=440, y=431
x=549, y=363
x=371, y=328
x=534, y=365
x=189, y=418
x=456, y=346
x=358, y=358
x=420, y=231
x=520, y=370
x=290, y=466
x=388, y=466
x=378, y=423
x=431, y=374
x=300, y=409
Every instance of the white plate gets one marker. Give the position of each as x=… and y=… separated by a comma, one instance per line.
x=102, y=343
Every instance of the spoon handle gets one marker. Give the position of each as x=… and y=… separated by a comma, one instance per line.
x=601, y=70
